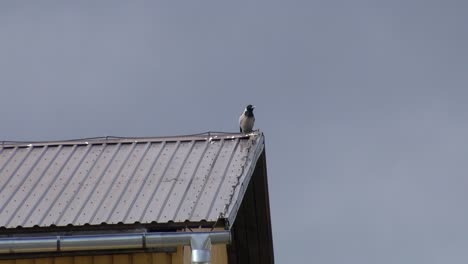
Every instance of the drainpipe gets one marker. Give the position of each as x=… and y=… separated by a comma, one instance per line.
x=201, y=249
x=199, y=241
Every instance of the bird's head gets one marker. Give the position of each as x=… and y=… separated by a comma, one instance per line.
x=250, y=108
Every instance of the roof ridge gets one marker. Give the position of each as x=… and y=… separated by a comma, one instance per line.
x=210, y=135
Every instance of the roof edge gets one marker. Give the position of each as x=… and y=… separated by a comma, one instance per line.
x=107, y=228
x=244, y=181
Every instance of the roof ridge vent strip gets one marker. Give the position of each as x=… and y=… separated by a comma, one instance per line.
x=206, y=180
x=177, y=177
x=207, y=144
x=2, y=206
x=124, y=162
x=52, y=182
x=38, y=179
x=6, y=143
x=83, y=180
x=70, y=178
x=25, y=143
x=163, y=145
x=95, y=185
x=160, y=179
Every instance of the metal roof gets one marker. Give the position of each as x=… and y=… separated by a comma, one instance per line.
x=125, y=180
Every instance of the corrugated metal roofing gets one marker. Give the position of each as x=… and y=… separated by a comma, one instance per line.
x=125, y=180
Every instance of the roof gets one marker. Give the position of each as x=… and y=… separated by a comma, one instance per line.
x=125, y=180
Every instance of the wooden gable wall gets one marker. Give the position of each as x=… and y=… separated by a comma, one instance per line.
x=252, y=241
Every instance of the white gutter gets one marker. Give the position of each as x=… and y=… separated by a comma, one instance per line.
x=199, y=241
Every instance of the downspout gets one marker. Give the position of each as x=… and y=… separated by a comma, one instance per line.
x=200, y=243
x=201, y=249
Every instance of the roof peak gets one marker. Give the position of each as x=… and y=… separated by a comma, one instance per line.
x=210, y=135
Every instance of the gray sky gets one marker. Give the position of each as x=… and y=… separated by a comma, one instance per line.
x=363, y=105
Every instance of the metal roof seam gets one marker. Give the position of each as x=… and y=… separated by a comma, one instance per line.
x=88, y=148
x=226, y=207
x=177, y=177
x=15, y=170
x=9, y=159
x=119, y=170
x=53, y=181
x=40, y=177
x=223, y=177
x=207, y=178
x=97, y=184
x=160, y=179
x=23, y=180
x=163, y=145
x=126, y=186
x=126, y=181
x=191, y=179
x=85, y=178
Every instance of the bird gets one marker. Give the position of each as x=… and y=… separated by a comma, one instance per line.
x=247, y=119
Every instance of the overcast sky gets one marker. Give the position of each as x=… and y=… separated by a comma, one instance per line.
x=363, y=105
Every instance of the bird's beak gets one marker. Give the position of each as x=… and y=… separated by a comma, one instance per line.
x=253, y=106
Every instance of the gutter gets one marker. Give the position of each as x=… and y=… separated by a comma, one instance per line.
x=200, y=242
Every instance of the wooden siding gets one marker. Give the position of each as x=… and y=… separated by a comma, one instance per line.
x=134, y=258
x=181, y=256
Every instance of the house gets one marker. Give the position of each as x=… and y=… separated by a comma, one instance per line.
x=185, y=199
